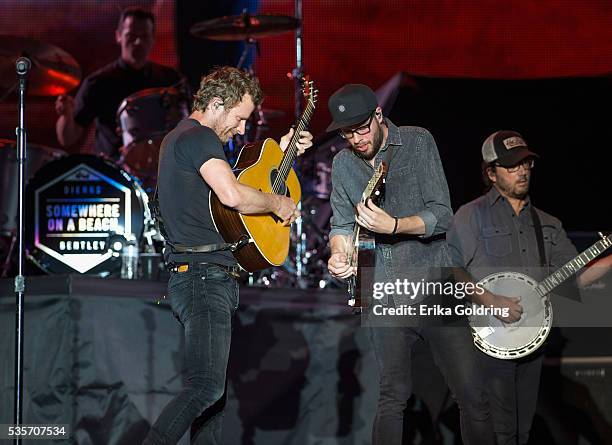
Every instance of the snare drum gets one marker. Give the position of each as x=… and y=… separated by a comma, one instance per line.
x=144, y=119
x=36, y=156
x=75, y=205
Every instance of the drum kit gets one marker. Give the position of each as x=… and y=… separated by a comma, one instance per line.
x=85, y=212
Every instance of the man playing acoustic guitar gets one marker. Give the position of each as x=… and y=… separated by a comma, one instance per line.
x=203, y=290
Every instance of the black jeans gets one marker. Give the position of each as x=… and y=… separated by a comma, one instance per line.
x=454, y=353
x=204, y=299
x=513, y=395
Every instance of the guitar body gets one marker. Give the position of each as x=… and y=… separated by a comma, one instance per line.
x=269, y=240
x=366, y=258
x=362, y=249
x=513, y=340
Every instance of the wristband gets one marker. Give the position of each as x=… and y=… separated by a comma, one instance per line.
x=395, y=226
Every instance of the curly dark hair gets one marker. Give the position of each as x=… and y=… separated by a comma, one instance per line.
x=230, y=85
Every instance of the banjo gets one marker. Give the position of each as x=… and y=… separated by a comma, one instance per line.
x=521, y=338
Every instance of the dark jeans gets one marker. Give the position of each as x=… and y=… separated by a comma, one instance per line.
x=454, y=353
x=204, y=299
x=513, y=395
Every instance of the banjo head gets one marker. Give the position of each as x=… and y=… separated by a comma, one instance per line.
x=513, y=340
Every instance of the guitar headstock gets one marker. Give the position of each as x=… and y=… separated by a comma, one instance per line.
x=373, y=189
x=309, y=90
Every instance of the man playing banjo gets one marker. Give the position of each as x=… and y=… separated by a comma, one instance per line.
x=499, y=232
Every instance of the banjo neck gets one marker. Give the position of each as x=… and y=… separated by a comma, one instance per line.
x=573, y=266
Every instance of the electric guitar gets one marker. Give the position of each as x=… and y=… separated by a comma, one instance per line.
x=521, y=338
x=263, y=240
x=361, y=252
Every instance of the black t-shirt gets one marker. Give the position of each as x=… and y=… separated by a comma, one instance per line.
x=102, y=92
x=183, y=193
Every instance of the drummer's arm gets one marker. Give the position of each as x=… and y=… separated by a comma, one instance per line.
x=67, y=130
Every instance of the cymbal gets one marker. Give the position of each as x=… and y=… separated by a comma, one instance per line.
x=53, y=72
x=243, y=27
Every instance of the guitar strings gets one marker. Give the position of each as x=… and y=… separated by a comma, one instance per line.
x=291, y=151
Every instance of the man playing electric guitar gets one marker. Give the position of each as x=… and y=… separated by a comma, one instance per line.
x=410, y=239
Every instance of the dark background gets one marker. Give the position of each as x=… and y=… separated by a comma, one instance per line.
x=538, y=67
x=541, y=67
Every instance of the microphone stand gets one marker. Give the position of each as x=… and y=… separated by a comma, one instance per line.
x=300, y=247
x=22, y=66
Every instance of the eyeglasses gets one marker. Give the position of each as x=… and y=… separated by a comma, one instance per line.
x=527, y=164
x=364, y=129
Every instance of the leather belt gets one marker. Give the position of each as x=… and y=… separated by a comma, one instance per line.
x=182, y=267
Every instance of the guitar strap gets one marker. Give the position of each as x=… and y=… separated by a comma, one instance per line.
x=387, y=159
x=537, y=225
x=177, y=248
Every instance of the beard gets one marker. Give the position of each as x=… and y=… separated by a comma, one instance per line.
x=226, y=137
x=516, y=190
x=219, y=129
x=377, y=141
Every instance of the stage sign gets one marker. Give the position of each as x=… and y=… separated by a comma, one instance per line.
x=78, y=210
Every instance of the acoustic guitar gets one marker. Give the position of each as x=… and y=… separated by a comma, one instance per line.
x=361, y=253
x=263, y=240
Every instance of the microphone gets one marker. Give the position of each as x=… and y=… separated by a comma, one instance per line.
x=23, y=65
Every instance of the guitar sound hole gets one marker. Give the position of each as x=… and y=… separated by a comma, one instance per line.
x=283, y=188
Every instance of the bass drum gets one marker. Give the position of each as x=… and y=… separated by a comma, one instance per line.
x=80, y=209
x=36, y=156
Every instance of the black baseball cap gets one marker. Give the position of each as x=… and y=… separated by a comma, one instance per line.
x=351, y=105
x=506, y=147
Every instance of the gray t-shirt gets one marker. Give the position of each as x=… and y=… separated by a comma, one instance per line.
x=183, y=193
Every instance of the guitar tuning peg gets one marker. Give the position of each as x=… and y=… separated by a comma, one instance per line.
x=601, y=235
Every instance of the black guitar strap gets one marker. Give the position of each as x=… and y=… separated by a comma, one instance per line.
x=177, y=248
x=387, y=160
x=537, y=225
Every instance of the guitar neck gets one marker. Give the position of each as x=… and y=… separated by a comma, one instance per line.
x=353, y=245
x=292, y=150
x=367, y=193
x=574, y=266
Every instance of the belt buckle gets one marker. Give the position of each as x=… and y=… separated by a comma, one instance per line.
x=179, y=268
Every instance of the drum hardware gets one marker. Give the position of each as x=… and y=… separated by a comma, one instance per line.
x=7, y=249
x=151, y=266
x=144, y=118
x=38, y=156
x=264, y=114
x=243, y=27
x=53, y=71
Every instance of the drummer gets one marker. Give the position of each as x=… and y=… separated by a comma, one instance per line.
x=102, y=92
